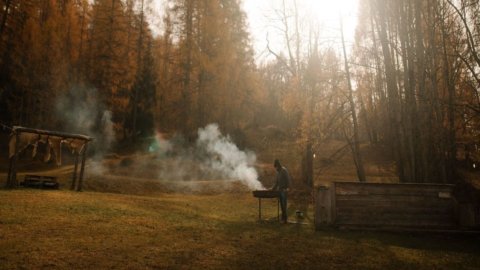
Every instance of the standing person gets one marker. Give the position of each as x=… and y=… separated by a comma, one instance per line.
x=282, y=184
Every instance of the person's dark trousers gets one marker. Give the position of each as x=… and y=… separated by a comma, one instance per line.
x=283, y=205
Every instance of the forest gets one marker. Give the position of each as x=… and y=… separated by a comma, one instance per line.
x=410, y=82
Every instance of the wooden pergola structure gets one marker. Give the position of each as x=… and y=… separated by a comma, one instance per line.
x=12, y=170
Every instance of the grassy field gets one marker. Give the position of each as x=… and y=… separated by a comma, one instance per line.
x=93, y=230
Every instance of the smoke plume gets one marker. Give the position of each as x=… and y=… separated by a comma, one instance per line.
x=212, y=157
x=222, y=155
x=80, y=111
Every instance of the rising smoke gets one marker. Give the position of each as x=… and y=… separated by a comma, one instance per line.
x=212, y=157
x=80, y=111
x=223, y=155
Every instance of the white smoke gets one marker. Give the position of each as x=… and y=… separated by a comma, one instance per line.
x=223, y=155
x=105, y=135
x=213, y=161
x=80, y=111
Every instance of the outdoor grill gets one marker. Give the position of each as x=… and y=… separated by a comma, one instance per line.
x=267, y=194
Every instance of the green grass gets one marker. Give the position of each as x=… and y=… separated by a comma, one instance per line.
x=92, y=230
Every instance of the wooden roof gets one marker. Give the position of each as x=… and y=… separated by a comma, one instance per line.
x=52, y=133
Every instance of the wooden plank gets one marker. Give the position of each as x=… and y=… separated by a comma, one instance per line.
x=395, y=205
x=391, y=205
x=412, y=209
x=409, y=210
x=40, y=177
x=19, y=129
x=390, y=198
x=393, y=189
x=395, y=185
x=389, y=189
x=393, y=209
x=323, y=209
x=391, y=217
x=395, y=220
x=398, y=223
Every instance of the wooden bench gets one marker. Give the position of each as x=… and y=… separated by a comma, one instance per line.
x=40, y=181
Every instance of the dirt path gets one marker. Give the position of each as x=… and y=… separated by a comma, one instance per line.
x=55, y=171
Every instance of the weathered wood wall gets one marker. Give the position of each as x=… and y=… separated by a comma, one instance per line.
x=422, y=206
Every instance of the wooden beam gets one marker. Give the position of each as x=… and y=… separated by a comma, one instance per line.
x=19, y=129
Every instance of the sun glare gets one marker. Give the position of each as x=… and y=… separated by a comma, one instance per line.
x=323, y=14
x=329, y=10
x=327, y=14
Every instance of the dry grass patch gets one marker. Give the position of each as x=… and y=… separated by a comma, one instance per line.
x=89, y=230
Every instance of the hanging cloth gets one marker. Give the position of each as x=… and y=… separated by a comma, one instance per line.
x=56, y=146
x=75, y=145
x=25, y=139
x=44, y=140
x=40, y=139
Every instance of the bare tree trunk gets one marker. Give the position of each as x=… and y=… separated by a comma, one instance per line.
x=126, y=55
x=410, y=110
x=80, y=64
x=378, y=78
x=356, y=144
x=139, y=71
x=451, y=148
x=187, y=66
x=392, y=89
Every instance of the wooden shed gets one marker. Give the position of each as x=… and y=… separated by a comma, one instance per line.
x=387, y=206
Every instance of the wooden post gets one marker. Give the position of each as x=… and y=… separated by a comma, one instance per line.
x=74, y=176
x=12, y=181
x=9, y=176
x=333, y=204
x=82, y=168
x=323, y=208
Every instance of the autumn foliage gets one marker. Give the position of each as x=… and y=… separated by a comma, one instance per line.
x=412, y=84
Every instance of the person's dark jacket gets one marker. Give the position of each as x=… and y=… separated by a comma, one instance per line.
x=283, y=180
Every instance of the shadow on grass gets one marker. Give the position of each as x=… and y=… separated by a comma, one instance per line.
x=429, y=241
x=269, y=244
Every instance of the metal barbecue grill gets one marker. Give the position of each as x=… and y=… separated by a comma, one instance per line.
x=267, y=194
